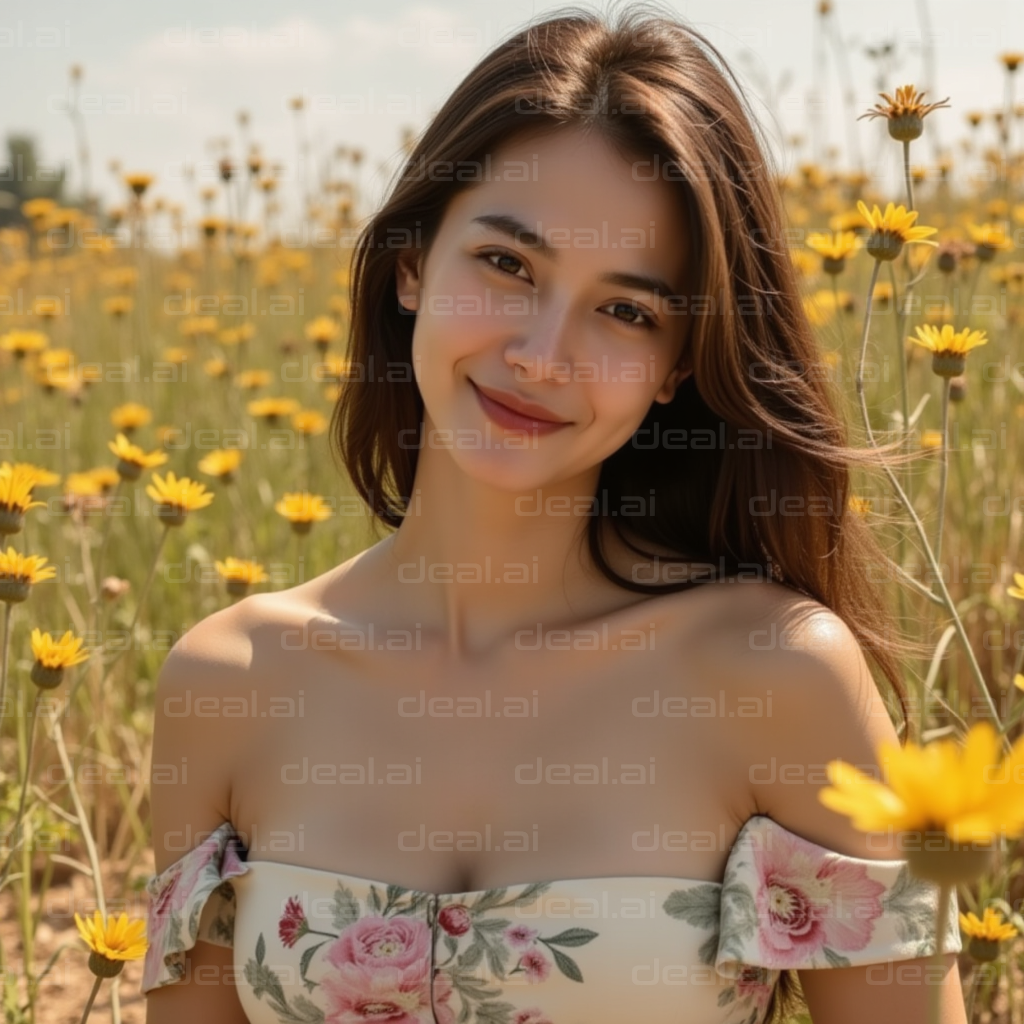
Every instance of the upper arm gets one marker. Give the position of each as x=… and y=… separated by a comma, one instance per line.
x=824, y=706
x=193, y=741
x=190, y=797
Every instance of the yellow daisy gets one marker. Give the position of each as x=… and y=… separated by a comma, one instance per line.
x=239, y=574
x=251, y=380
x=988, y=239
x=16, y=485
x=985, y=933
x=302, y=510
x=310, y=422
x=833, y=247
x=891, y=230
x=53, y=656
x=112, y=942
x=963, y=792
x=176, y=496
x=221, y=464
x=272, y=408
x=132, y=460
x=905, y=113
x=19, y=573
x=949, y=348
x=130, y=416
x=23, y=342
x=322, y=331
x=138, y=182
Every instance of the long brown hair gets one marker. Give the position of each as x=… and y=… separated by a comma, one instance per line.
x=657, y=89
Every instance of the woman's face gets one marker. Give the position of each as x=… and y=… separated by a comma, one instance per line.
x=556, y=317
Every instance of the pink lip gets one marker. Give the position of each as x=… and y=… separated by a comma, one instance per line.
x=509, y=418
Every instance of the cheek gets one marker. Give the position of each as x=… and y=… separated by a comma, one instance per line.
x=621, y=382
x=458, y=318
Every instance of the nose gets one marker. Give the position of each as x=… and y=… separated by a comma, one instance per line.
x=542, y=350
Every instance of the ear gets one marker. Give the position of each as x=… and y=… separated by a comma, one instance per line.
x=407, y=281
x=668, y=389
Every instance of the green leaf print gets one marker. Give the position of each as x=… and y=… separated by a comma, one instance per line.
x=488, y=901
x=223, y=924
x=373, y=900
x=345, y=910
x=473, y=954
x=566, y=964
x=307, y=955
x=494, y=1013
x=912, y=901
x=265, y=982
x=492, y=924
x=572, y=937
x=699, y=906
x=497, y=959
x=835, y=959
x=417, y=903
x=742, y=917
x=709, y=949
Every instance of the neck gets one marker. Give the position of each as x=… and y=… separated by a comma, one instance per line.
x=475, y=564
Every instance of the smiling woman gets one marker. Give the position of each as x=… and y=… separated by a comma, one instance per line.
x=607, y=362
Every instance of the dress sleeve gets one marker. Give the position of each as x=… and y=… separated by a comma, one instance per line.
x=192, y=899
x=789, y=903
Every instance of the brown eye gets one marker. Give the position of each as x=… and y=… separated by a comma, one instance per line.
x=646, y=320
x=500, y=254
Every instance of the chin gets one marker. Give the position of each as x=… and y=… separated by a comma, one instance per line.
x=513, y=470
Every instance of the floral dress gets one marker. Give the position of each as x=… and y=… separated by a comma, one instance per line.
x=323, y=947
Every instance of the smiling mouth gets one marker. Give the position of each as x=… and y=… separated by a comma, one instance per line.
x=509, y=418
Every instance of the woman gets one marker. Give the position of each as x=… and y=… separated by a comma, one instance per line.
x=617, y=631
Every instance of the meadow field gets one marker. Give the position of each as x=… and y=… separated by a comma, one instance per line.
x=167, y=378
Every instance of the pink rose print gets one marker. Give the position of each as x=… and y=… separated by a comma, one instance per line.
x=536, y=966
x=534, y=1015
x=455, y=920
x=181, y=879
x=806, y=902
x=379, y=942
x=520, y=936
x=365, y=995
x=293, y=924
x=443, y=1013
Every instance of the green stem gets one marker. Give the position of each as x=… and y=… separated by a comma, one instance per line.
x=8, y=612
x=959, y=317
x=92, y=999
x=906, y=175
x=83, y=820
x=142, y=597
x=918, y=526
x=103, y=544
x=975, y=983
x=944, y=474
x=90, y=846
x=24, y=790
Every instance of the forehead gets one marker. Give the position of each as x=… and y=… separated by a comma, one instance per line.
x=577, y=180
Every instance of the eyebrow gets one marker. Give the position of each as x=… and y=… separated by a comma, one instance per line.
x=519, y=232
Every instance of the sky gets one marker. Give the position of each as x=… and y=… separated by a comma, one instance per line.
x=163, y=81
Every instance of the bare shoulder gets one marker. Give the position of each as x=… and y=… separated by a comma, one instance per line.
x=762, y=629
x=809, y=674
x=197, y=738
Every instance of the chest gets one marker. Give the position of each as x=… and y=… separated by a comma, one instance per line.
x=545, y=764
